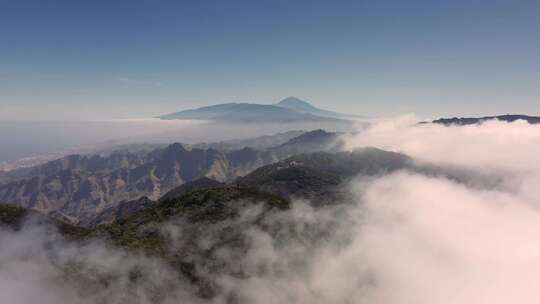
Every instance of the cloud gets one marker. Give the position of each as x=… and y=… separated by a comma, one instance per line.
x=493, y=144
x=39, y=267
x=427, y=239
x=430, y=240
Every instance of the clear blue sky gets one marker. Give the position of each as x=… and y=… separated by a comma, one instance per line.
x=117, y=59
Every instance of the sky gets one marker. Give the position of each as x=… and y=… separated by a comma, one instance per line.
x=93, y=60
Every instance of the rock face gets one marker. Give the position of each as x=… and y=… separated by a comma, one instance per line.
x=74, y=187
x=79, y=187
x=117, y=211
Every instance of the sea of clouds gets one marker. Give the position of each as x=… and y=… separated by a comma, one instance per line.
x=408, y=237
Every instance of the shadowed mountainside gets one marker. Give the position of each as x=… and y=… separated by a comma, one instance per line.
x=320, y=176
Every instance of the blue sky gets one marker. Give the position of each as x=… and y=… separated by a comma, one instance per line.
x=119, y=59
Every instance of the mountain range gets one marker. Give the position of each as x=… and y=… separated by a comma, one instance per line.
x=290, y=109
x=78, y=187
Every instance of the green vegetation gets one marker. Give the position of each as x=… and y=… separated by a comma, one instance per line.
x=12, y=216
x=203, y=205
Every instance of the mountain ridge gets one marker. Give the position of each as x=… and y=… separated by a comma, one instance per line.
x=81, y=186
x=463, y=121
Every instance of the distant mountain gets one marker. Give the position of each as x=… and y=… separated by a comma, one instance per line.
x=302, y=106
x=91, y=164
x=476, y=120
x=287, y=110
x=115, y=155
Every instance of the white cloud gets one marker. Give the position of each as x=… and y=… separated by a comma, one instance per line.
x=492, y=144
x=430, y=240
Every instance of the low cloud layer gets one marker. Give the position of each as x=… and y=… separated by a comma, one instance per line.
x=493, y=144
x=407, y=237
x=432, y=240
